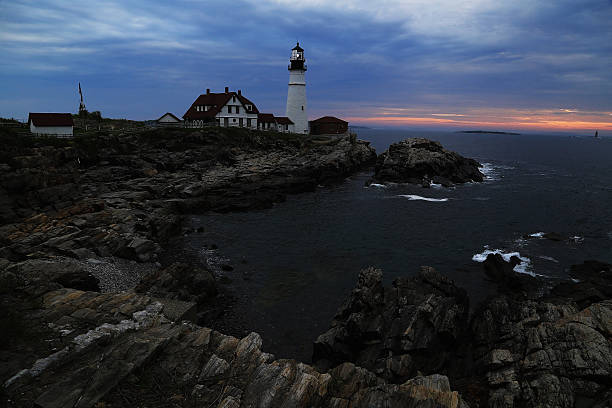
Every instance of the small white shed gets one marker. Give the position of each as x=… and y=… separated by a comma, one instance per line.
x=53, y=124
x=168, y=119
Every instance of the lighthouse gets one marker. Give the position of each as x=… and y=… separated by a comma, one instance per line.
x=296, y=95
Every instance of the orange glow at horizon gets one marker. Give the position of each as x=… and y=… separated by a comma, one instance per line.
x=497, y=118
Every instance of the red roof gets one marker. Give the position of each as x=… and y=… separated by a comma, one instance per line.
x=216, y=101
x=266, y=118
x=50, y=119
x=328, y=119
x=283, y=120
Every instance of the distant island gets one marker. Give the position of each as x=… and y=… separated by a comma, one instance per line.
x=358, y=127
x=486, y=131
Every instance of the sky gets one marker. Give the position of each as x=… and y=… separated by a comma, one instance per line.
x=528, y=65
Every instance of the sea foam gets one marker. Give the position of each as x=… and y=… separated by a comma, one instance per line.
x=413, y=197
x=489, y=171
x=523, y=267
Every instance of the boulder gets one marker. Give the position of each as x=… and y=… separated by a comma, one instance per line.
x=396, y=332
x=508, y=281
x=591, y=282
x=423, y=161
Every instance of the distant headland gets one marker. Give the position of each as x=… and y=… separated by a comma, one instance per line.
x=487, y=131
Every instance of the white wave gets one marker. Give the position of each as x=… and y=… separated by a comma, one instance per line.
x=523, y=267
x=434, y=185
x=537, y=235
x=548, y=258
x=489, y=171
x=413, y=197
x=577, y=239
x=378, y=185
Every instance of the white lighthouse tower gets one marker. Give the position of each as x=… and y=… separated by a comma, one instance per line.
x=296, y=96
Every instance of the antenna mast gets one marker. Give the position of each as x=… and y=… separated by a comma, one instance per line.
x=82, y=104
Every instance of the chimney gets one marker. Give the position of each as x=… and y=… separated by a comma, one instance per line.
x=239, y=92
x=226, y=89
x=207, y=91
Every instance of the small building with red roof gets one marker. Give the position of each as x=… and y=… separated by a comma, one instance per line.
x=328, y=125
x=53, y=124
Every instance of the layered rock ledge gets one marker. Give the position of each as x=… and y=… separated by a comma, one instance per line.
x=423, y=161
x=125, y=349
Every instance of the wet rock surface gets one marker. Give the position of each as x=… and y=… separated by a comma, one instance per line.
x=423, y=161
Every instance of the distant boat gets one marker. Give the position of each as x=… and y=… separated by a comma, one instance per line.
x=596, y=134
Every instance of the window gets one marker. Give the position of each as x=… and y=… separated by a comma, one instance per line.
x=249, y=107
x=233, y=99
x=237, y=109
x=248, y=122
x=197, y=108
x=302, y=107
x=234, y=119
x=229, y=108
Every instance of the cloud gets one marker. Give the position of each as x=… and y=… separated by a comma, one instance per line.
x=407, y=57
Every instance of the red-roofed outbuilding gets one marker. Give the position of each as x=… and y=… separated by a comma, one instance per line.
x=328, y=125
x=54, y=124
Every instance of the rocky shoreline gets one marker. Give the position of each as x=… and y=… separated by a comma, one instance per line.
x=515, y=350
x=92, y=316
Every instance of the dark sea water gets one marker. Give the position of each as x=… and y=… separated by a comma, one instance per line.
x=295, y=263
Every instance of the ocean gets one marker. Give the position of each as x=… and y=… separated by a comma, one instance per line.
x=295, y=263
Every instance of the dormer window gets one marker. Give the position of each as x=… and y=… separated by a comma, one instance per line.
x=249, y=107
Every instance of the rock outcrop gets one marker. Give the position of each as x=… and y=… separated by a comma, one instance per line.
x=534, y=353
x=413, y=326
x=423, y=161
x=117, y=350
x=516, y=350
x=123, y=195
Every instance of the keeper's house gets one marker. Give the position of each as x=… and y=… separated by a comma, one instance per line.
x=52, y=124
x=227, y=109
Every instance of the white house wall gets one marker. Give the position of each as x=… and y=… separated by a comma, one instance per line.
x=233, y=117
x=51, y=130
x=168, y=119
